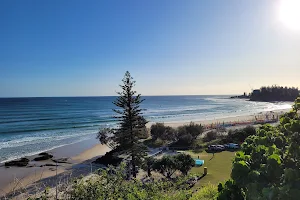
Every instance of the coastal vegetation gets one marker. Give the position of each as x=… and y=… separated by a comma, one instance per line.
x=192, y=136
x=112, y=183
x=239, y=135
x=168, y=165
x=275, y=93
x=182, y=136
x=267, y=167
x=111, y=186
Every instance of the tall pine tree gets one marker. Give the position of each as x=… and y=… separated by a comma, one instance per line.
x=131, y=122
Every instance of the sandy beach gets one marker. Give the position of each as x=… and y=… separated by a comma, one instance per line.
x=227, y=119
x=28, y=179
x=80, y=160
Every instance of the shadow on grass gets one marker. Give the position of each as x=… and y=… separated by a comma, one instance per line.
x=233, y=150
x=212, y=151
x=197, y=150
x=229, y=150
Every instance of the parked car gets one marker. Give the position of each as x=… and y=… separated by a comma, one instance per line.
x=216, y=147
x=232, y=146
x=212, y=147
x=221, y=147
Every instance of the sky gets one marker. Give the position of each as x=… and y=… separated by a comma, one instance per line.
x=170, y=47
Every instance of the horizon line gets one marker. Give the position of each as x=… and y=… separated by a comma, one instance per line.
x=118, y=95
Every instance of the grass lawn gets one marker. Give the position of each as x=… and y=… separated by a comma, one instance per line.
x=218, y=166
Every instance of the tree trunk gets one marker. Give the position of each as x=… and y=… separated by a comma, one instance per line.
x=149, y=172
x=133, y=167
x=168, y=175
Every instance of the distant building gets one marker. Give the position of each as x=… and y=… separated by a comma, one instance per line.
x=255, y=92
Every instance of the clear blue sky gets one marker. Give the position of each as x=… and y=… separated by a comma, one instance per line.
x=83, y=48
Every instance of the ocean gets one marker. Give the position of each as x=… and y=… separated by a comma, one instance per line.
x=32, y=125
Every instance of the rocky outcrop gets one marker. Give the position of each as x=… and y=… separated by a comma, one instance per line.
x=23, y=162
x=43, y=156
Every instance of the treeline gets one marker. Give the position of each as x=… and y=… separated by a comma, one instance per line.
x=182, y=135
x=275, y=93
x=187, y=136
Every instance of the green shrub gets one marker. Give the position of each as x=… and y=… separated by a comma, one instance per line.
x=160, y=131
x=111, y=186
x=209, y=192
x=211, y=135
x=188, y=133
x=194, y=129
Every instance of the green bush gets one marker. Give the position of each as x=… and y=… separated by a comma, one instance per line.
x=160, y=131
x=188, y=133
x=239, y=135
x=209, y=192
x=185, y=139
x=194, y=129
x=211, y=135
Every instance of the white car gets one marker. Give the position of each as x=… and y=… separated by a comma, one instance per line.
x=221, y=147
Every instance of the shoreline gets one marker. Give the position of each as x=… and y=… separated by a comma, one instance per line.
x=52, y=150
x=80, y=156
x=239, y=118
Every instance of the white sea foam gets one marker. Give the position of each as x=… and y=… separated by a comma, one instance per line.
x=31, y=140
x=40, y=151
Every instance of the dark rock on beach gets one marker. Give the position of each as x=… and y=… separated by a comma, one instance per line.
x=43, y=156
x=60, y=160
x=49, y=165
x=23, y=162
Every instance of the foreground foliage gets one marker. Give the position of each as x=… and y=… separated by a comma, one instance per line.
x=239, y=135
x=267, y=167
x=111, y=184
x=209, y=192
